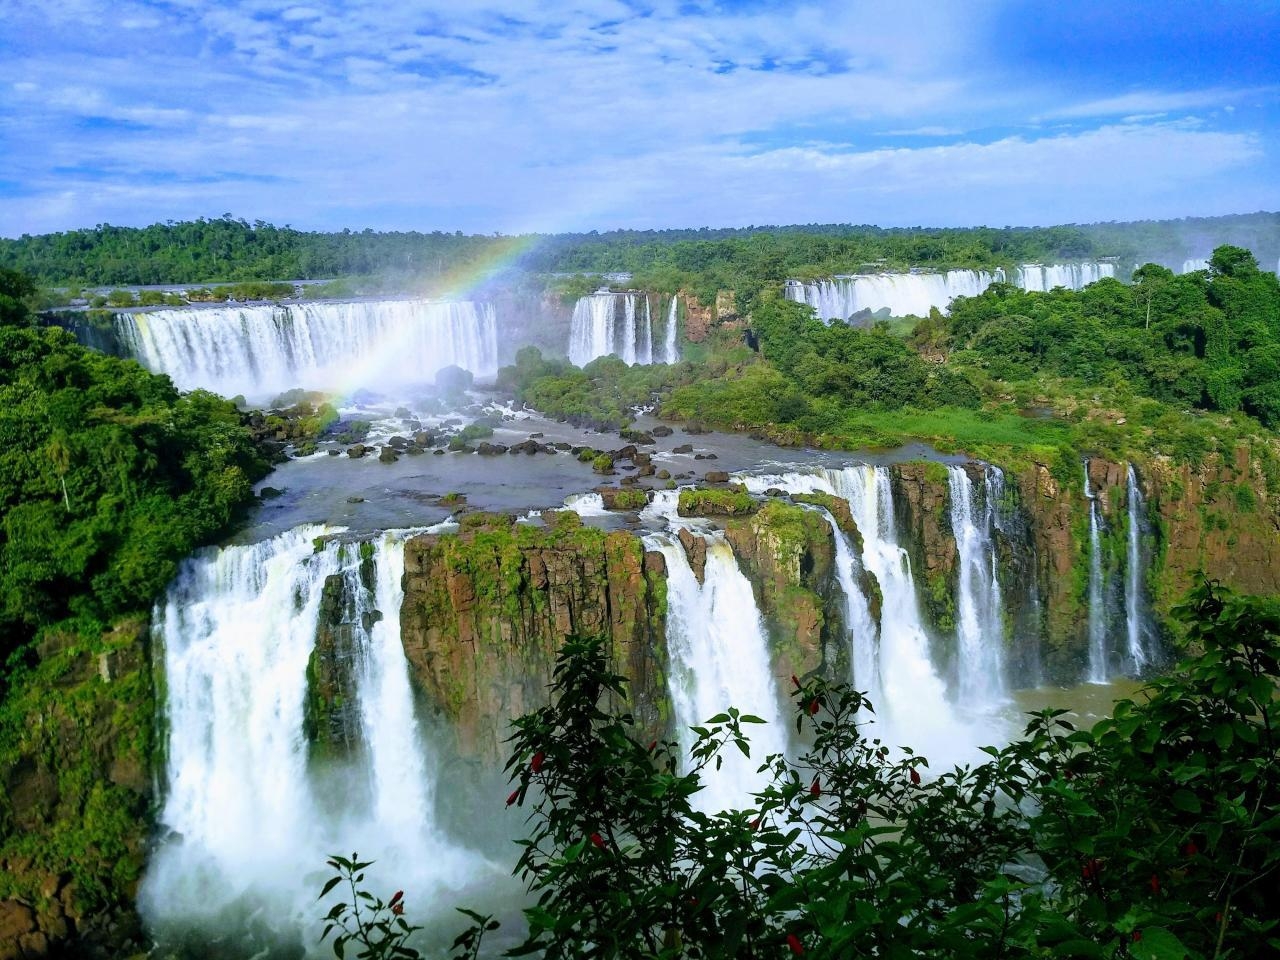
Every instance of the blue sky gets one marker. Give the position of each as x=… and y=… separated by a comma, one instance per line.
x=517, y=115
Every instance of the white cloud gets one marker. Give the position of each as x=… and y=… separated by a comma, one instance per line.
x=1157, y=102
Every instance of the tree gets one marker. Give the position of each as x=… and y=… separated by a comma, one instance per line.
x=15, y=289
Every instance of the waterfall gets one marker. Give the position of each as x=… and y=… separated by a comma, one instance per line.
x=598, y=331
x=629, y=329
x=915, y=293
x=980, y=636
x=248, y=822
x=1192, y=264
x=914, y=709
x=1073, y=276
x=864, y=652
x=260, y=351
x=1099, y=668
x=644, y=350
x=671, y=351
x=1134, y=588
x=719, y=658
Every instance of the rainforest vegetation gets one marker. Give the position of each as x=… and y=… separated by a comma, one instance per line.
x=108, y=477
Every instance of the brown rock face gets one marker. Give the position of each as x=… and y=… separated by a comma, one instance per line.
x=695, y=549
x=486, y=611
x=921, y=498
x=698, y=319
x=788, y=554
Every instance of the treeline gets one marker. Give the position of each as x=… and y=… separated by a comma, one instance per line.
x=1207, y=340
x=740, y=259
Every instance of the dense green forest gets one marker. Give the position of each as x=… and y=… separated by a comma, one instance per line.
x=740, y=259
x=1113, y=368
x=109, y=477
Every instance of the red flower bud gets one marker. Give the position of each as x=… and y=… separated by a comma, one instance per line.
x=397, y=909
x=796, y=681
x=1137, y=935
x=1155, y=883
x=915, y=777
x=1217, y=917
x=794, y=943
x=514, y=796
x=1191, y=849
x=815, y=788
x=755, y=824
x=597, y=840
x=396, y=898
x=1091, y=869
x=653, y=745
x=536, y=763
x=813, y=707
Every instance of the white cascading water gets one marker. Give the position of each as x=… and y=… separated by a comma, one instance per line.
x=261, y=351
x=1134, y=586
x=980, y=641
x=914, y=294
x=719, y=658
x=1192, y=264
x=248, y=826
x=671, y=349
x=597, y=330
x=864, y=647
x=1073, y=276
x=914, y=710
x=1099, y=668
x=644, y=349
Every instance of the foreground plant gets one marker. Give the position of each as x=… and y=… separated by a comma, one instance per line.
x=1152, y=836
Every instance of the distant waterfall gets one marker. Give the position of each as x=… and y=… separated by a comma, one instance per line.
x=979, y=606
x=260, y=351
x=1137, y=624
x=719, y=658
x=607, y=323
x=914, y=294
x=914, y=709
x=671, y=349
x=1099, y=667
x=1192, y=264
x=248, y=822
x=1073, y=276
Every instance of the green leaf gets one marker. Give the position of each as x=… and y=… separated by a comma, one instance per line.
x=329, y=885
x=1186, y=801
x=1157, y=943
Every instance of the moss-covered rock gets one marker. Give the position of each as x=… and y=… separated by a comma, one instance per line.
x=76, y=751
x=788, y=554
x=716, y=503
x=486, y=610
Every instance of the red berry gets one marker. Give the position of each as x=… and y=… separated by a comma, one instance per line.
x=794, y=943
x=1155, y=883
x=813, y=707
x=396, y=898
x=536, y=763
x=1191, y=849
x=915, y=777
x=1137, y=935
x=597, y=840
x=815, y=788
x=397, y=909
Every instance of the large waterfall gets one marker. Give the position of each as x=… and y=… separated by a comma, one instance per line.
x=248, y=819
x=980, y=670
x=915, y=709
x=607, y=323
x=1099, y=661
x=914, y=294
x=260, y=351
x=1137, y=621
x=718, y=658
